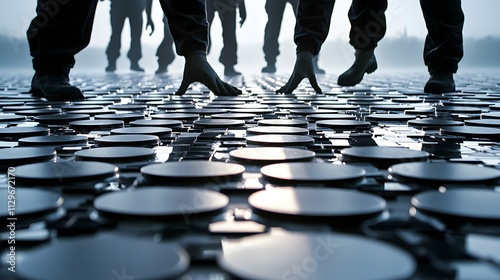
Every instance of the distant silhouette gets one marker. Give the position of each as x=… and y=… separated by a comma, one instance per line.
x=275, y=10
x=227, y=14
x=120, y=11
x=55, y=40
x=165, y=52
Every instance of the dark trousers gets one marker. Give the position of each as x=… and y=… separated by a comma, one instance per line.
x=274, y=10
x=165, y=52
x=120, y=11
x=443, y=48
x=60, y=30
x=227, y=15
x=368, y=24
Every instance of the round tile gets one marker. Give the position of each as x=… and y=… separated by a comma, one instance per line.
x=312, y=173
x=134, y=140
x=30, y=203
x=158, y=131
x=7, y=118
x=176, y=116
x=122, y=117
x=319, y=117
x=92, y=112
x=99, y=125
x=314, y=256
x=382, y=157
x=444, y=172
x=128, y=107
x=60, y=119
x=257, y=111
x=109, y=257
x=305, y=112
x=343, y=124
x=278, y=130
x=192, y=171
x=21, y=132
x=175, y=106
x=158, y=123
x=219, y=123
x=202, y=111
x=160, y=203
x=53, y=140
x=296, y=123
x=280, y=140
x=10, y=157
x=268, y=155
x=392, y=107
x=484, y=122
x=116, y=154
x=73, y=107
x=39, y=112
x=458, y=109
x=472, y=132
x=462, y=205
x=389, y=117
x=63, y=172
x=434, y=123
x=234, y=116
x=340, y=107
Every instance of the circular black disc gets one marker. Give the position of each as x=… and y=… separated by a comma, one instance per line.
x=344, y=124
x=444, y=172
x=116, y=154
x=160, y=202
x=491, y=115
x=298, y=123
x=30, y=202
x=434, y=123
x=129, y=107
x=458, y=109
x=38, y=112
x=96, y=125
x=278, y=130
x=257, y=111
x=219, y=123
x=192, y=171
x=176, y=116
x=318, y=117
x=234, y=116
x=92, y=112
x=464, y=204
x=122, y=117
x=484, y=123
x=340, y=107
x=52, y=140
x=176, y=106
x=293, y=106
x=312, y=172
x=160, y=123
x=202, y=111
x=61, y=118
x=21, y=132
x=158, y=131
x=394, y=107
x=11, y=118
x=305, y=112
x=472, y=131
x=109, y=257
x=64, y=172
x=128, y=140
x=389, y=117
x=382, y=156
x=73, y=107
x=267, y=155
x=318, y=256
x=25, y=155
x=280, y=140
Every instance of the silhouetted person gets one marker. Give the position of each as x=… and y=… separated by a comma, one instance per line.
x=60, y=30
x=120, y=11
x=227, y=14
x=443, y=47
x=275, y=10
x=165, y=52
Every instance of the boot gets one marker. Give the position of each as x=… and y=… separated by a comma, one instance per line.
x=365, y=62
x=230, y=72
x=134, y=66
x=111, y=66
x=270, y=68
x=54, y=86
x=440, y=82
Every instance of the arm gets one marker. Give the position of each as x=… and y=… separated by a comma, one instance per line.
x=149, y=4
x=243, y=12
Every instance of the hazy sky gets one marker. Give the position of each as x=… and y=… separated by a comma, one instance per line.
x=481, y=20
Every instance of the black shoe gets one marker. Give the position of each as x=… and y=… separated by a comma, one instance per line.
x=230, y=72
x=365, y=62
x=161, y=70
x=136, y=67
x=270, y=68
x=440, y=82
x=54, y=87
x=111, y=66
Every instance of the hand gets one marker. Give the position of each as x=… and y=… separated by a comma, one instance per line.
x=151, y=24
x=242, y=20
x=197, y=69
x=303, y=69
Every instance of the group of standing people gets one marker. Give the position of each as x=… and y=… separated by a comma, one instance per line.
x=56, y=39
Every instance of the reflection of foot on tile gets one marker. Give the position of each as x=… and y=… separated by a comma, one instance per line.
x=54, y=87
x=440, y=82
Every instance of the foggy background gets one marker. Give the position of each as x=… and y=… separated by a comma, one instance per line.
x=401, y=48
